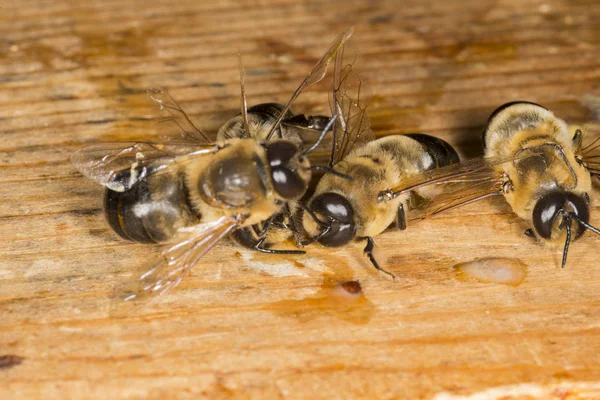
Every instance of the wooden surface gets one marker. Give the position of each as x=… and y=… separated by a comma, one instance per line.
x=245, y=325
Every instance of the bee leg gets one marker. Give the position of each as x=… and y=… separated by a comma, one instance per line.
x=260, y=247
x=318, y=122
x=529, y=233
x=263, y=236
x=369, y=252
x=401, y=218
x=312, y=122
x=293, y=226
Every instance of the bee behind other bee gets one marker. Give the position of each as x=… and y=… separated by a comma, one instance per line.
x=193, y=192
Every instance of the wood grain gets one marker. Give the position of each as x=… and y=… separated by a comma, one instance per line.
x=245, y=325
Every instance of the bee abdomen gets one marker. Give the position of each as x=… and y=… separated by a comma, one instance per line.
x=498, y=110
x=264, y=113
x=441, y=151
x=151, y=211
x=269, y=111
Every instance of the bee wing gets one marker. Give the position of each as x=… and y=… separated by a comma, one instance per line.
x=589, y=152
x=456, y=194
x=452, y=186
x=350, y=98
x=104, y=162
x=456, y=173
x=173, y=264
x=189, y=131
x=317, y=74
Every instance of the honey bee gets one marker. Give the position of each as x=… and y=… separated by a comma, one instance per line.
x=535, y=160
x=341, y=210
x=190, y=193
x=281, y=226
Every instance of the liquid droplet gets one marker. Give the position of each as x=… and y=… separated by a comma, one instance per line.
x=506, y=271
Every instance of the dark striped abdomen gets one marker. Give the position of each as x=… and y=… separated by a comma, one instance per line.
x=498, y=111
x=264, y=114
x=151, y=211
x=438, y=149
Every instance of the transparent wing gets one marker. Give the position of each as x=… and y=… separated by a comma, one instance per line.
x=172, y=266
x=317, y=74
x=474, y=170
x=189, y=131
x=243, y=103
x=455, y=194
x=350, y=98
x=589, y=153
x=106, y=162
x=455, y=185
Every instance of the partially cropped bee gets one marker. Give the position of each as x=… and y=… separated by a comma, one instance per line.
x=191, y=193
x=341, y=210
x=532, y=158
x=281, y=226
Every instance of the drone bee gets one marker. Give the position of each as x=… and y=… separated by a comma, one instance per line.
x=536, y=161
x=341, y=210
x=281, y=226
x=191, y=193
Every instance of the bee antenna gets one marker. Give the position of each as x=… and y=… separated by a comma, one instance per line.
x=331, y=171
x=585, y=224
x=310, y=212
x=318, y=236
x=321, y=136
x=567, y=223
x=326, y=225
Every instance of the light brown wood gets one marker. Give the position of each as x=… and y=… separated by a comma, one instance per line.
x=246, y=325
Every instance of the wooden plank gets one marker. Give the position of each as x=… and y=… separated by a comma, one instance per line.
x=246, y=325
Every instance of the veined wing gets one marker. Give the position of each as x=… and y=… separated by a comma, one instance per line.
x=172, y=266
x=589, y=153
x=455, y=194
x=189, y=131
x=473, y=170
x=453, y=186
x=105, y=162
x=350, y=98
x=317, y=74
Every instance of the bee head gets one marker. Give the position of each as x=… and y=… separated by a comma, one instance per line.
x=290, y=169
x=556, y=211
x=556, y=206
x=338, y=211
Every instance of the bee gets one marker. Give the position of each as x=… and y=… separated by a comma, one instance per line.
x=341, y=210
x=281, y=226
x=536, y=161
x=190, y=193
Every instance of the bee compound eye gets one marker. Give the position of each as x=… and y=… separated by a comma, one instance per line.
x=287, y=183
x=341, y=218
x=545, y=211
x=280, y=152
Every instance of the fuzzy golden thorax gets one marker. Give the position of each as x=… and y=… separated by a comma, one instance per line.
x=235, y=180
